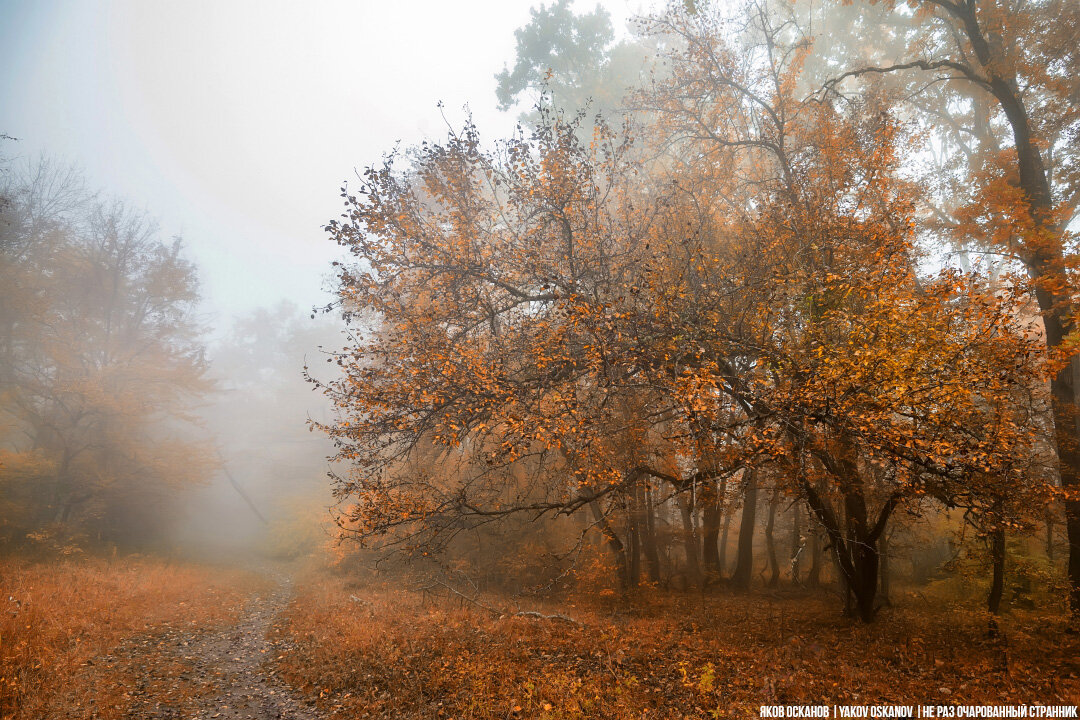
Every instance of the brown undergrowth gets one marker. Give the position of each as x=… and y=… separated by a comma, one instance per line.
x=77, y=635
x=376, y=651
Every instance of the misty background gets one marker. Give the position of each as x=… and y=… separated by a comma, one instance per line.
x=235, y=123
x=232, y=126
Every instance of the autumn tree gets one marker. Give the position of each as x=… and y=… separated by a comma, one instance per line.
x=484, y=271
x=995, y=84
x=101, y=358
x=521, y=319
x=567, y=323
x=818, y=184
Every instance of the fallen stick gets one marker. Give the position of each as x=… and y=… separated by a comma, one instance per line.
x=503, y=613
x=555, y=616
x=463, y=596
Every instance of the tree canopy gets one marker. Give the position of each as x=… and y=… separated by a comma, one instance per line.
x=752, y=282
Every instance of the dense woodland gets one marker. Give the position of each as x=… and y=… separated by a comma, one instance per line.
x=745, y=371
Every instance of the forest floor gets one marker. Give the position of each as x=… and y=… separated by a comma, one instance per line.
x=149, y=640
x=369, y=649
x=142, y=639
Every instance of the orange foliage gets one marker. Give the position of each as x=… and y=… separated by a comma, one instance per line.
x=597, y=318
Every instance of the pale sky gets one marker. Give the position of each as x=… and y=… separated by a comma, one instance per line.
x=235, y=123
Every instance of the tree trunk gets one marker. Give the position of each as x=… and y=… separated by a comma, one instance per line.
x=997, y=585
x=798, y=542
x=770, y=541
x=843, y=583
x=643, y=523
x=864, y=556
x=690, y=541
x=883, y=551
x=814, y=578
x=650, y=518
x=1063, y=390
x=1050, y=534
x=618, y=551
x=1043, y=255
x=722, y=566
x=744, y=563
x=856, y=549
x=710, y=532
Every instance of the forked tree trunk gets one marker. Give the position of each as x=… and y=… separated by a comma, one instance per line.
x=618, y=550
x=856, y=550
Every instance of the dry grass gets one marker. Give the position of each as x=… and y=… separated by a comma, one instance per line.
x=60, y=618
x=395, y=655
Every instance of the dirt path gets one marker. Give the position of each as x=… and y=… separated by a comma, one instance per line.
x=223, y=674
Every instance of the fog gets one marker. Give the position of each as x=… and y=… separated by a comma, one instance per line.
x=235, y=123
x=233, y=126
